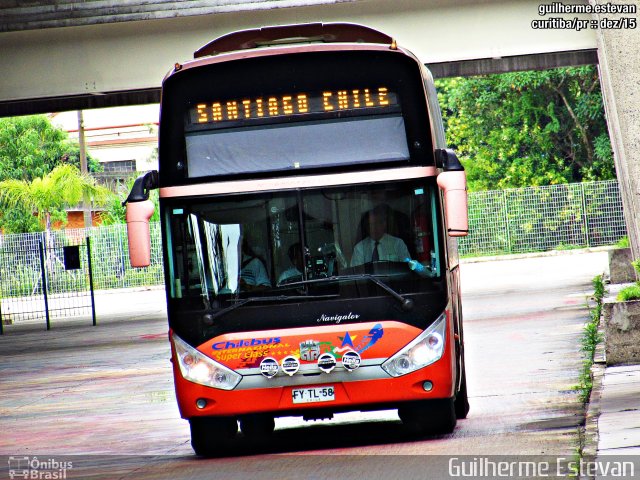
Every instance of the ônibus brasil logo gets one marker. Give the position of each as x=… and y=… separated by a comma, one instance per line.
x=41, y=469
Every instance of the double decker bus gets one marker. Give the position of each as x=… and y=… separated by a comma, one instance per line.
x=309, y=212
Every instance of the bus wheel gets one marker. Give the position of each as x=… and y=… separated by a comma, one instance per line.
x=431, y=417
x=257, y=426
x=462, y=400
x=209, y=435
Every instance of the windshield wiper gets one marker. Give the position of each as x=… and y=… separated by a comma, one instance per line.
x=274, y=298
x=405, y=303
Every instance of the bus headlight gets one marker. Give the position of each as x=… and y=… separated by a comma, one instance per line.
x=199, y=368
x=424, y=350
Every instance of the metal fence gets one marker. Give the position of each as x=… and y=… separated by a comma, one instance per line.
x=545, y=218
x=49, y=279
x=36, y=284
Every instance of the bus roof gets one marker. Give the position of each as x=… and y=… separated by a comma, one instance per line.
x=287, y=34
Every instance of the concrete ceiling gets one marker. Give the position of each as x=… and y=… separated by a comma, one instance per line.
x=70, y=55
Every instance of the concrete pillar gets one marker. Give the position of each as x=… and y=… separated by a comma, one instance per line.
x=619, y=63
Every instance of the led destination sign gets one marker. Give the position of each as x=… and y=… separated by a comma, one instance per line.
x=286, y=105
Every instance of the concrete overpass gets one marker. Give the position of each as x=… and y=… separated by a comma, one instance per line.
x=63, y=52
x=66, y=55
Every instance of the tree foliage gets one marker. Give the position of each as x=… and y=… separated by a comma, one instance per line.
x=31, y=147
x=47, y=197
x=528, y=128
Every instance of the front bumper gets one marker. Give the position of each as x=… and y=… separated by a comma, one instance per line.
x=364, y=389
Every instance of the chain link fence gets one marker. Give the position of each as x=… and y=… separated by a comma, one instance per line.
x=536, y=219
x=20, y=264
x=45, y=276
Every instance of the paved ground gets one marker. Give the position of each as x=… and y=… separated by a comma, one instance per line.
x=111, y=306
x=108, y=389
x=614, y=412
x=619, y=420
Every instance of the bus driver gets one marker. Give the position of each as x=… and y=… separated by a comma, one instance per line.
x=379, y=245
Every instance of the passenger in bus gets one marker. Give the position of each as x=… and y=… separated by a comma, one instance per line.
x=379, y=245
x=253, y=274
x=294, y=272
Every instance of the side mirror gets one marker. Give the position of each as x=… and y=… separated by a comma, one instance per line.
x=138, y=215
x=453, y=183
x=139, y=211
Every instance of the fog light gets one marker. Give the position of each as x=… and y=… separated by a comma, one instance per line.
x=201, y=403
x=428, y=386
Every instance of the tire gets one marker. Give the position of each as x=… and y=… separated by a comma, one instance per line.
x=257, y=426
x=462, y=399
x=432, y=417
x=210, y=435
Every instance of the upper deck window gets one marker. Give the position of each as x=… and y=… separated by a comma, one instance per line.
x=291, y=113
x=295, y=131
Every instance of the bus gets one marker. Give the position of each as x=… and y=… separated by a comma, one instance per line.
x=309, y=215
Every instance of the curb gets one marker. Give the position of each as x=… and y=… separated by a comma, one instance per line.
x=590, y=441
x=590, y=435
x=550, y=253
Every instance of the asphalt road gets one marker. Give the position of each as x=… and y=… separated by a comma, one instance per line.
x=102, y=397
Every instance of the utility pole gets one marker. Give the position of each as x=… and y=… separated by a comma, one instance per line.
x=86, y=206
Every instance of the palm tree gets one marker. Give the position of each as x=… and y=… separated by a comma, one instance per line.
x=65, y=186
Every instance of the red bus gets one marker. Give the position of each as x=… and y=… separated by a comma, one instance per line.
x=309, y=212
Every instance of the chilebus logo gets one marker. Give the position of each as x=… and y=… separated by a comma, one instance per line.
x=254, y=342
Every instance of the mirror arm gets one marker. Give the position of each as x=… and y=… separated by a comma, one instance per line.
x=142, y=186
x=447, y=160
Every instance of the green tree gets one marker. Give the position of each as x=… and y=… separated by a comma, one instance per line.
x=31, y=147
x=528, y=128
x=47, y=197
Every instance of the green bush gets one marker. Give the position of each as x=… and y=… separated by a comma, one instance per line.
x=629, y=293
x=564, y=246
x=623, y=242
x=591, y=337
x=632, y=292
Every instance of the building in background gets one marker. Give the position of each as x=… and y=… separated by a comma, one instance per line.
x=123, y=139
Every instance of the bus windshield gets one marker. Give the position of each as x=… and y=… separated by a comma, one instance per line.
x=285, y=243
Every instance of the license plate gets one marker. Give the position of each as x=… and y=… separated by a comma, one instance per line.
x=313, y=395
